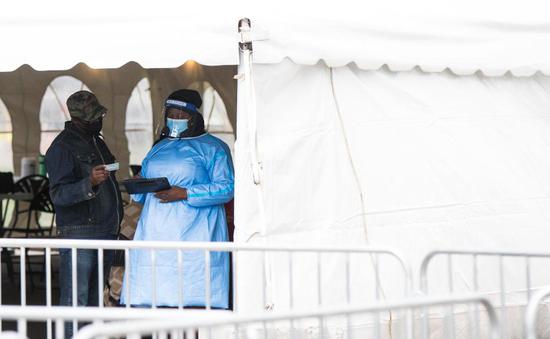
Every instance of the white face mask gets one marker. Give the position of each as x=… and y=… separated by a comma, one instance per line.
x=176, y=126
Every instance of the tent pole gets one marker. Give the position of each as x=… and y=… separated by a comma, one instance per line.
x=246, y=85
x=245, y=75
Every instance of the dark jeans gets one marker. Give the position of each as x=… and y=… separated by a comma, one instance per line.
x=87, y=279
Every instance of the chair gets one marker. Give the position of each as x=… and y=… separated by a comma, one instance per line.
x=6, y=186
x=6, y=182
x=41, y=202
x=38, y=187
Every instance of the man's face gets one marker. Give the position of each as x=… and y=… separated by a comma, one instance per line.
x=174, y=113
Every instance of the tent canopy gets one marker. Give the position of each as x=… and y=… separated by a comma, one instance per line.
x=465, y=38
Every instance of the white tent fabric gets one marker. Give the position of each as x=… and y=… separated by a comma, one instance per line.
x=443, y=161
x=492, y=36
x=427, y=148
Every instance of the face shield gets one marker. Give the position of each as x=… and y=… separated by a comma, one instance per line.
x=180, y=119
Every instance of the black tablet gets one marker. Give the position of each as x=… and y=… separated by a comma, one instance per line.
x=142, y=185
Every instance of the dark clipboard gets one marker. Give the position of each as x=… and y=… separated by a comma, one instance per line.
x=142, y=185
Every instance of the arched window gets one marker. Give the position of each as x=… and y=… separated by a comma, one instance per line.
x=6, y=165
x=53, y=109
x=139, y=122
x=214, y=112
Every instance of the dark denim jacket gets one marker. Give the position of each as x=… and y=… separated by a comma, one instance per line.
x=82, y=211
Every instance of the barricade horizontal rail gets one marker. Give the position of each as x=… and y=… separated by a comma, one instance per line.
x=60, y=314
x=480, y=273
x=532, y=311
x=259, y=326
x=20, y=248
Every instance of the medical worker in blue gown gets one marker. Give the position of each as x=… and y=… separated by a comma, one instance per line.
x=199, y=169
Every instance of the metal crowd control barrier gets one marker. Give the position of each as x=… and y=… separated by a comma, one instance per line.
x=530, y=324
x=61, y=314
x=503, y=279
x=276, y=324
x=48, y=245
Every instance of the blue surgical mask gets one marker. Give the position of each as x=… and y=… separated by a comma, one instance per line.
x=176, y=126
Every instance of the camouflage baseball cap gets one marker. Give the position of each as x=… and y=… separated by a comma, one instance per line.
x=84, y=105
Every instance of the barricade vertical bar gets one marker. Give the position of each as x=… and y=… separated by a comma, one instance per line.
x=347, y=330
x=22, y=327
x=290, y=286
x=22, y=276
x=450, y=272
x=180, y=279
x=59, y=329
x=154, y=277
x=319, y=277
x=348, y=294
x=410, y=324
x=207, y=277
x=290, y=291
x=528, y=276
x=23, y=287
x=264, y=288
x=74, y=285
x=264, y=279
x=100, y=270
x=264, y=325
x=127, y=277
x=471, y=319
x=348, y=278
x=377, y=276
x=48, y=272
x=234, y=278
x=475, y=275
x=425, y=310
x=377, y=294
x=502, y=296
x=378, y=332
x=450, y=312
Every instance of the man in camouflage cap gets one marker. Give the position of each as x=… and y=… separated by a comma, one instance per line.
x=85, y=194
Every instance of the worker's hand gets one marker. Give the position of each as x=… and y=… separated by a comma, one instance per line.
x=173, y=194
x=99, y=174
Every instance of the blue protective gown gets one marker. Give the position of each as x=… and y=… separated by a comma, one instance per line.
x=203, y=166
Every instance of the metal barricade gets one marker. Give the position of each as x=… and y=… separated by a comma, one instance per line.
x=315, y=253
x=61, y=314
x=531, y=313
x=283, y=324
x=510, y=275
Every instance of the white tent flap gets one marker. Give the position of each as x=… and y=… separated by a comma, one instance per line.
x=443, y=161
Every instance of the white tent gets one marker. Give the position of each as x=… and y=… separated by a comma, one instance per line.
x=411, y=125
